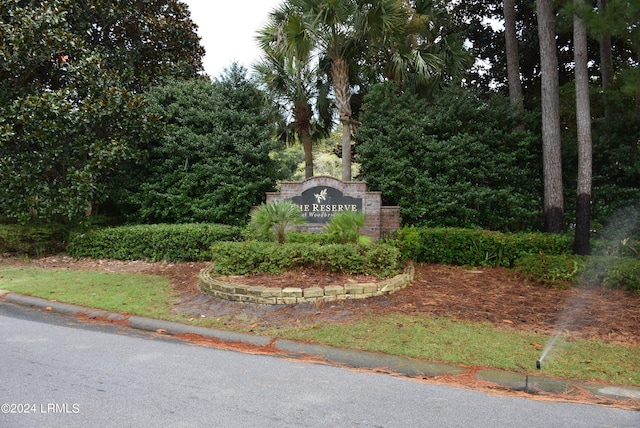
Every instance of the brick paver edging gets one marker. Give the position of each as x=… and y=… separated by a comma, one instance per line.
x=214, y=284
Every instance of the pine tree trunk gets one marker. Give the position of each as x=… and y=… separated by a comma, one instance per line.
x=551, y=138
x=512, y=52
x=341, y=87
x=583, y=118
x=606, y=64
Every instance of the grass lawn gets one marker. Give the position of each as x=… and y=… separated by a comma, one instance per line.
x=477, y=344
x=423, y=337
x=139, y=294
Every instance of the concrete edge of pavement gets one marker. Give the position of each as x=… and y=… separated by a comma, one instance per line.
x=533, y=384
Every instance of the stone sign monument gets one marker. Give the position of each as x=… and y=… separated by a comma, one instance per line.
x=320, y=198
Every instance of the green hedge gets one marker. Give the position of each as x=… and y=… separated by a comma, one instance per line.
x=563, y=271
x=311, y=238
x=32, y=241
x=241, y=258
x=174, y=243
x=471, y=247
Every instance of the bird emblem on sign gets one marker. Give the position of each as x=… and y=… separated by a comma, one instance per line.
x=322, y=196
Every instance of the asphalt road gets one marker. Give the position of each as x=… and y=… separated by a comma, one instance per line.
x=59, y=372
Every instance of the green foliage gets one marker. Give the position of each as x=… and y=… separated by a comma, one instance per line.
x=290, y=162
x=624, y=273
x=61, y=152
x=250, y=257
x=345, y=227
x=452, y=161
x=212, y=164
x=559, y=271
x=562, y=271
x=71, y=112
x=408, y=240
x=469, y=247
x=138, y=43
x=630, y=247
x=620, y=235
x=626, y=247
x=32, y=240
x=311, y=238
x=174, y=243
x=273, y=220
x=616, y=157
x=612, y=272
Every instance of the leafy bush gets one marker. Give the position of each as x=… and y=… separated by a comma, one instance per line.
x=613, y=272
x=471, y=247
x=250, y=257
x=212, y=163
x=185, y=242
x=32, y=240
x=558, y=271
x=345, y=227
x=625, y=274
x=311, y=238
x=453, y=161
x=563, y=270
x=273, y=220
x=626, y=247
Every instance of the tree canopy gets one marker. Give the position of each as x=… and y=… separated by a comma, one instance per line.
x=72, y=75
x=358, y=43
x=211, y=163
x=103, y=101
x=452, y=160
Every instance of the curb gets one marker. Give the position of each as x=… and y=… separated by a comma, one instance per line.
x=405, y=366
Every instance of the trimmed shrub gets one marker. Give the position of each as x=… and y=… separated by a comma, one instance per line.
x=32, y=241
x=211, y=163
x=451, y=160
x=562, y=271
x=252, y=257
x=613, y=272
x=174, y=243
x=559, y=271
x=471, y=247
x=311, y=238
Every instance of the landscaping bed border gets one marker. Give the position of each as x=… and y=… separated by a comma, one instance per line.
x=215, y=285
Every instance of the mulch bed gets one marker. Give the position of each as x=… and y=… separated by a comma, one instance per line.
x=493, y=295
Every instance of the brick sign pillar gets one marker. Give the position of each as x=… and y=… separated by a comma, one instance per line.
x=320, y=198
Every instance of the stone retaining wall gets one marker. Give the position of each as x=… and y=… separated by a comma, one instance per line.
x=215, y=285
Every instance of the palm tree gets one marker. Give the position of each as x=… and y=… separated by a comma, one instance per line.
x=290, y=76
x=288, y=80
x=359, y=40
x=340, y=31
x=422, y=53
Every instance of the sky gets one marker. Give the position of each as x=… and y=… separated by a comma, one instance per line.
x=227, y=30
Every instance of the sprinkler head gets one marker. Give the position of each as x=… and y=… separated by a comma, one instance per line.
x=538, y=364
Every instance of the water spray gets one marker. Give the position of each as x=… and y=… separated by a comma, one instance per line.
x=624, y=223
